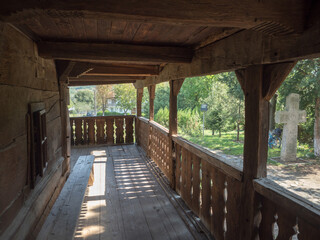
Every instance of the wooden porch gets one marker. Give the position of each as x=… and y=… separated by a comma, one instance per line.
x=127, y=199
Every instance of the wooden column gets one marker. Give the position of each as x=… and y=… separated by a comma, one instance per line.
x=175, y=86
x=139, y=101
x=152, y=93
x=259, y=83
x=137, y=125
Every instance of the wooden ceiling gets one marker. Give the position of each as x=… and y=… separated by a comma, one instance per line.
x=126, y=41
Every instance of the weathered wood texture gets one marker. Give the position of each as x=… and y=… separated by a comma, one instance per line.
x=62, y=220
x=244, y=14
x=294, y=215
x=143, y=133
x=152, y=95
x=232, y=53
x=126, y=201
x=212, y=192
x=159, y=148
x=25, y=78
x=114, y=52
x=102, y=130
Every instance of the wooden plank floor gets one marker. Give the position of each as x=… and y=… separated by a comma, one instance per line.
x=126, y=201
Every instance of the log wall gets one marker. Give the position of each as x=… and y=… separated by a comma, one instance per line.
x=26, y=78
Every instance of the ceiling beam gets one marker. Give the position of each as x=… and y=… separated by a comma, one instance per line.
x=105, y=78
x=122, y=70
x=241, y=50
x=82, y=83
x=285, y=15
x=120, y=53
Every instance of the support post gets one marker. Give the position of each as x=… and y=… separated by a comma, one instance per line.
x=152, y=93
x=175, y=86
x=137, y=125
x=259, y=83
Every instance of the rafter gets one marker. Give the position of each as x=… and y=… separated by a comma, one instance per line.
x=241, y=50
x=120, y=53
x=285, y=15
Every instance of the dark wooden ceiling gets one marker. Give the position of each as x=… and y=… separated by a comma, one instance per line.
x=151, y=33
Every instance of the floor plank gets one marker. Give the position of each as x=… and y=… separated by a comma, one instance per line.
x=126, y=201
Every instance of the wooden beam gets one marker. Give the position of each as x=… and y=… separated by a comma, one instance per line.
x=175, y=86
x=115, y=79
x=86, y=83
x=114, y=52
x=139, y=101
x=273, y=77
x=79, y=69
x=255, y=146
x=282, y=17
x=241, y=50
x=152, y=94
x=122, y=70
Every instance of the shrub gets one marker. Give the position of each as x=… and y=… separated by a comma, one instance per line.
x=189, y=121
x=162, y=117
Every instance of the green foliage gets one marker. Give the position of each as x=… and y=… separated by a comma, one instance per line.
x=162, y=117
x=194, y=91
x=214, y=120
x=125, y=95
x=83, y=100
x=161, y=100
x=189, y=122
x=304, y=79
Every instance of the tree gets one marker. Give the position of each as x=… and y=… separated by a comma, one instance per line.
x=214, y=121
x=194, y=91
x=125, y=95
x=83, y=100
x=103, y=92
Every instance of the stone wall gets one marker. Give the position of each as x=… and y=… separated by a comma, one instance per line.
x=26, y=78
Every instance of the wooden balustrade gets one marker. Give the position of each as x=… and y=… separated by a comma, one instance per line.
x=210, y=187
x=102, y=130
x=213, y=190
x=284, y=214
x=159, y=148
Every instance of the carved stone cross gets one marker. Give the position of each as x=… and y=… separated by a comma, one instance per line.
x=291, y=118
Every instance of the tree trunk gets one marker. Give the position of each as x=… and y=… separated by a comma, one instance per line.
x=212, y=132
x=238, y=122
x=219, y=132
x=317, y=128
x=272, y=112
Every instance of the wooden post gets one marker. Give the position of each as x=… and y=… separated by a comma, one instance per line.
x=152, y=93
x=175, y=86
x=139, y=101
x=259, y=83
x=137, y=125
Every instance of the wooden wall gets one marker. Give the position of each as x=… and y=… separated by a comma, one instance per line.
x=25, y=78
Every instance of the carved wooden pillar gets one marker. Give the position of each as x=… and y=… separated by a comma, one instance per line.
x=175, y=86
x=137, y=125
x=259, y=83
x=152, y=93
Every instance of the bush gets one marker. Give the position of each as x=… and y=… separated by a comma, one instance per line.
x=189, y=122
x=162, y=117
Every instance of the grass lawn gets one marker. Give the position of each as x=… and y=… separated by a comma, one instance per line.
x=228, y=145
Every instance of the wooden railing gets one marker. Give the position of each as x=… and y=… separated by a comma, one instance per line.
x=284, y=214
x=159, y=148
x=213, y=190
x=210, y=187
x=102, y=130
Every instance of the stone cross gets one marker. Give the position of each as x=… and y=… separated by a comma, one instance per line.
x=291, y=118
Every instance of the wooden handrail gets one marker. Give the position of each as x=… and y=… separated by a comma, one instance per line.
x=213, y=159
x=143, y=119
x=159, y=127
x=103, y=117
x=288, y=200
